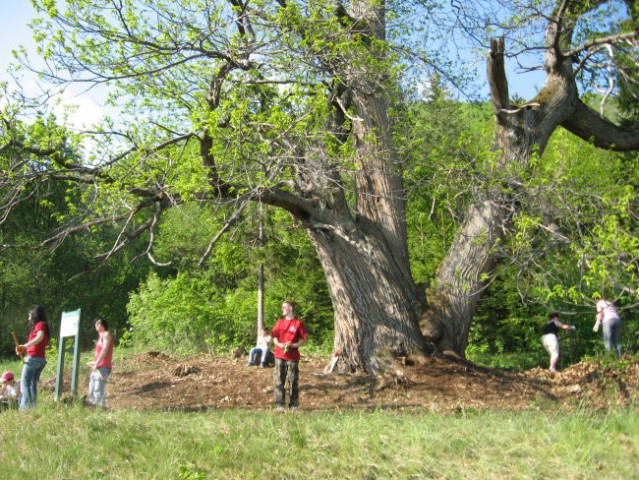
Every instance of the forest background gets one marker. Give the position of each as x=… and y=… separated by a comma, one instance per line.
x=180, y=304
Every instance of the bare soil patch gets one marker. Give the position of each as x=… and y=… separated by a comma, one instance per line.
x=157, y=381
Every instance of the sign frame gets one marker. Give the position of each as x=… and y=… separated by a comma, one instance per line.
x=69, y=327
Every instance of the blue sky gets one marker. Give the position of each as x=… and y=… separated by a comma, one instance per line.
x=14, y=32
x=13, y=28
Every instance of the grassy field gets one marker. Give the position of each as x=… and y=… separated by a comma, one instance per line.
x=57, y=441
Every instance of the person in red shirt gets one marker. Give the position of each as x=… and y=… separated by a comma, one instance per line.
x=288, y=334
x=102, y=363
x=35, y=360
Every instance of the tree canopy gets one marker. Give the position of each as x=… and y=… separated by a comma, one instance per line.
x=302, y=107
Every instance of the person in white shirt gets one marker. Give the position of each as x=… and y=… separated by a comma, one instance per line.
x=9, y=391
x=549, y=338
x=608, y=317
x=262, y=348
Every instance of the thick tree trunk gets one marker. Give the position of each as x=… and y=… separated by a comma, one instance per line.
x=365, y=253
x=360, y=234
x=453, y=301
x=376, y=311
x=380, y=192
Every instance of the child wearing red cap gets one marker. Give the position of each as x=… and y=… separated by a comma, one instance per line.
x=10, y=391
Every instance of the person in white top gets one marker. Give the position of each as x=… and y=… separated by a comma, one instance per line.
x=549, y=338
x=263, y=347
x=608, y=317
x=9, y=391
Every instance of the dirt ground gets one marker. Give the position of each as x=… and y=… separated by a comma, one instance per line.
x=157, y=381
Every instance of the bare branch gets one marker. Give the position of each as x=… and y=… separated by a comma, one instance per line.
x=222, y=230
x=589, y=125
x=607, y=40
x=555, y=29
x=150, y=227
x=497, y=76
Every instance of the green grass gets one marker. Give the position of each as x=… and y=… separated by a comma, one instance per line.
x=58, y=441
x=69, y=442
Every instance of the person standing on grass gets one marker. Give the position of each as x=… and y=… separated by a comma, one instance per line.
x=288, y=334
x=549, y=338
x=262, y=348
x=35, y=359
x=608, y=317
x=101, y=365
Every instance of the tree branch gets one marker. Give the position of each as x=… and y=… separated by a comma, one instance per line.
x=497, y=76
x=587, y=124
x=610, y=39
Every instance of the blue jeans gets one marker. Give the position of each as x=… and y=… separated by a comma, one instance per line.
x=612, y=335
x=254, y=351
x=97, y=386
x=31, y=371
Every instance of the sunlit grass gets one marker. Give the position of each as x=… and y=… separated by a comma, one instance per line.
x=67, y=441
x=57, y=441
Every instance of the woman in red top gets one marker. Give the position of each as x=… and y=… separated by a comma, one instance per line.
x=101, y=364
x=35, y=360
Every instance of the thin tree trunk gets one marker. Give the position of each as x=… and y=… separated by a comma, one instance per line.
x=452, y=303
x=260, y=273
x=521, y=133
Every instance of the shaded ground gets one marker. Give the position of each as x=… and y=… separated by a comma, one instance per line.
x=154, y=380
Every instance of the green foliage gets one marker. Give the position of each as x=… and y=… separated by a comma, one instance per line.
x=215, y=307
x=503, y=324
x=192, y=311
x=176, y=314
x=506, y=332
x=583, y=219
x=571, y=240
x=446, y=144
x=50, y=268
x=185, y=232
x=65, y=280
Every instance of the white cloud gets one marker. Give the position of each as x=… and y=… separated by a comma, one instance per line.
x=82, y=111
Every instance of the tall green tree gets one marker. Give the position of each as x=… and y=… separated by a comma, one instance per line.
x=289, y=103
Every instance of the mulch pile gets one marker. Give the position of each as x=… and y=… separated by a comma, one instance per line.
x=158, y=381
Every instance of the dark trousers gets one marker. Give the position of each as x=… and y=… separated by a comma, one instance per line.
x=282, y=370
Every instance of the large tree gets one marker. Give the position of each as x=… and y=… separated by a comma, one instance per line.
x=579, y=38
x=289, y=103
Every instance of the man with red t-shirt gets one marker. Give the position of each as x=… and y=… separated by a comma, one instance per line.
x=288, y=334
